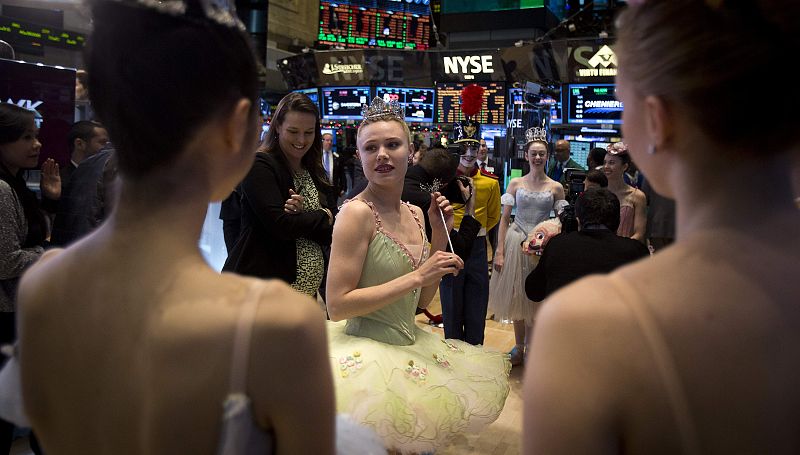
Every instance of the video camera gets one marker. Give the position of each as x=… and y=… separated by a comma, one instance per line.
x=574, y=181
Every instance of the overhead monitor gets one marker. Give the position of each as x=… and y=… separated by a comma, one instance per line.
x=517, y=104
x=448, y=102
x=417, y=102
x=343, y=103
x=312, y=94
x=389, y=24
x=489, y=132
x=592, y=104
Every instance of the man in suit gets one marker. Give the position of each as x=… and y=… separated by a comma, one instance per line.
x=556, y=167
x=85, y=138
x=330, y=161
x=593, y=248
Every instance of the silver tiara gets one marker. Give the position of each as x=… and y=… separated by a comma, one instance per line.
x=536, y=134
x=223, y=12
x=381, y=108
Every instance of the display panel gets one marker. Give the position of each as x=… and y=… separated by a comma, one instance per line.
x=343, y=103
x=448, y=102
x=579, y=151
x=489, y=132
x=592, y=104
x=312, y=94
x=375, y=23
x=472, y=6
x=418, y=102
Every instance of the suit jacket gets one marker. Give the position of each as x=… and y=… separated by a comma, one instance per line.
x=573, y=255
x=339, y=183
x=551, y=167
x=266, y=246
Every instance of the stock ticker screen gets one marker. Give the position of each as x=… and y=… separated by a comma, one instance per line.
x=417, y=102
x=389, y=24
x=448, y=103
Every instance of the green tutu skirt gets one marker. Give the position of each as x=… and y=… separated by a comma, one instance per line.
x=417, y=397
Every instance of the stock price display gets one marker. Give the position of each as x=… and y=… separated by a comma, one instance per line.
x=417, y=102
x=29, y=37
x=375, y=24
x=593, y=103
x=448, y=103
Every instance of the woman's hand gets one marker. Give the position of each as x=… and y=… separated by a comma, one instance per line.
x=498, y=261
x=294, y=205
x=438, y=265
x=50, y=182
x=439, y=202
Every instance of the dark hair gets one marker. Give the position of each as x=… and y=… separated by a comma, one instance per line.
x=439, y=164
x=598, y=206
x=670, y=48
x=595, y=176
x=596, y=156
x=14, y=122
x=312, y=160
x=154, y=79
x=83, y=129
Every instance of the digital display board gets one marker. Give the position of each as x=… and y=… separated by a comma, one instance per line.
x=592, y=104
x=418, y=102
x=375, y=23
x=31, y=38
x=448, y=102
x=489, y=132
x=472, y=6
x=312, y=94
x=343, y=103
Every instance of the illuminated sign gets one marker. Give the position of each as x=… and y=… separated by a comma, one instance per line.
x=374, y=24
x=468, y=65
x=31, y=36
x=448, y=103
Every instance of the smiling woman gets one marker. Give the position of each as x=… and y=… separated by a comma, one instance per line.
x=287, y=205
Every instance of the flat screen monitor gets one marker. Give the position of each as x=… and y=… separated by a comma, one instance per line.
x=448, y=102
x=387, y=24
x=489, y=132
x=592, y=104
x=312, y=94
x=579, y=151
x=602, y=145
x=343, y=103
x=417, y=102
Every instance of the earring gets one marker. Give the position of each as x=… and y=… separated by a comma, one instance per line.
x=651, y=149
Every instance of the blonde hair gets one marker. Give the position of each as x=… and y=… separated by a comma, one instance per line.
x=385, y=118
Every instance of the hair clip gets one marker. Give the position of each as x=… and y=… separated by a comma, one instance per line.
x=617, y=148
x=536, y=134
x=381, y=108
x=222, y=12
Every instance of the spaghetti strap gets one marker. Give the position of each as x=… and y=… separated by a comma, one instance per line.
x=665, y=364
x=241, y=340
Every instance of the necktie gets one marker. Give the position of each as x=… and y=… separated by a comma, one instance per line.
x=327, y=163
x=557, y=172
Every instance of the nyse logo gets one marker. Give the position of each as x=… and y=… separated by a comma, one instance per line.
x=469, y=65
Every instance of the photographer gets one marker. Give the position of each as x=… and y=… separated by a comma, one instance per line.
x=594, y=248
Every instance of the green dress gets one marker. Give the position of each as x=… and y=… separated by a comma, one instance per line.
x=310, y=263
x=415, y=389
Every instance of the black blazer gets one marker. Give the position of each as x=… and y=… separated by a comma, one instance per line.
x=569, y=256
x=266, y=246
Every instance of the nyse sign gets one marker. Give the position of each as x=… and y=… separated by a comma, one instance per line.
x=468, y=66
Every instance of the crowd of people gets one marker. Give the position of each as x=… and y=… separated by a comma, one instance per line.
x=159, y=353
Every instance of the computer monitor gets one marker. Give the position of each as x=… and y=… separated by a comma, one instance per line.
x=490, y=132
x=418, y=102
x=343, y=103
x=312, y=94
x=592, y=104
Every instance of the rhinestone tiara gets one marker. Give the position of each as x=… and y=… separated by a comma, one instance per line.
x=380, y=108
x=536, y=133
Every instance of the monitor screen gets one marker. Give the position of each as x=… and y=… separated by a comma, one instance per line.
x=389, y=24
x=448, y=102
x=343, y=103
x=579, y=151
x=312, y=94
x=592, y=104
x=417, y=102
x=489, y=132
x=472, y=6
x=517, y=104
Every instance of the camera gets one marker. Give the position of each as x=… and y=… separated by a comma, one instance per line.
x=574, y=181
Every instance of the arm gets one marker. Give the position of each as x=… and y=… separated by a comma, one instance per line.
x=563, y=411
x=505, y=220
x=299, y=402
x=262, y=191
x=14, y=259
x=493, y=207
x=639, y=216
